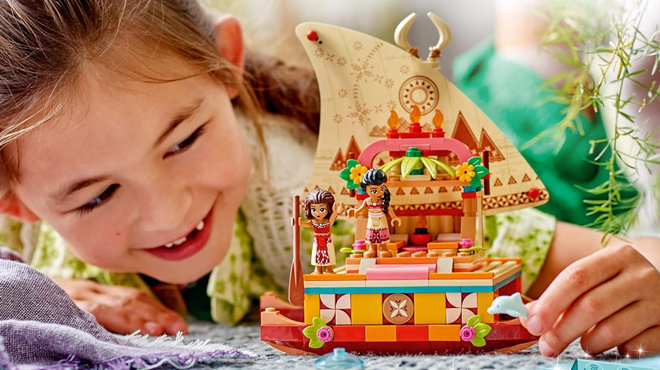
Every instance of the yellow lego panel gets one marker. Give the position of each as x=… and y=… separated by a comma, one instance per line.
x=429, y=308
x=366, y=309
x=442, y=333
x=312, y=307
x=381, y=333
x=484, y=300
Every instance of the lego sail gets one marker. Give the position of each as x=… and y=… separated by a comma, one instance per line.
x=362, y=79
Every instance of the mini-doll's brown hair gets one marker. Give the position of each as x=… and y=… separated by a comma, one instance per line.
x=319, y=196
x=47, y=45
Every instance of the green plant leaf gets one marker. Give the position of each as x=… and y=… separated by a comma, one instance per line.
x=351, y=163
x=482, y=330
x=318, y=323
x=408, y=165
x=480, y=171
x=474, y=161
x=345, y=174
x=346, y=250
x=310, y=332
x=444, y=166
x=352, y=186
x=430, y=166
x=477, y=342
x=389, y=165
x=474, y=320
x=316, y=343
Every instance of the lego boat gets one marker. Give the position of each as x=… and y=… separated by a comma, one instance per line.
x=429, y=288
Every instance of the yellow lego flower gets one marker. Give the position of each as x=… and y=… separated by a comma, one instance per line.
x=357, y=172
x=465, y=172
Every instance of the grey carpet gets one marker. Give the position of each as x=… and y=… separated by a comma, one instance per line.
x=247, y=337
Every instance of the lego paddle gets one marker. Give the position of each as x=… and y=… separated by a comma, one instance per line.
x=296, y=284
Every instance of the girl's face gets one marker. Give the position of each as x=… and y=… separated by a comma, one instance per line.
x=319, y=210
x=140, y=177
x=376, y=192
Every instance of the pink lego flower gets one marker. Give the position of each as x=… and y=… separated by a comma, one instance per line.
x=467, y=333
x=324, y=334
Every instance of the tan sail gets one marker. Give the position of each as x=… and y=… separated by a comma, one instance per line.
x=362, y=79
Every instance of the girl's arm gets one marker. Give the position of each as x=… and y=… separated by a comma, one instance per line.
x=354, y=212
x=395, y=219
x=609, y=296
x=336, y=210
x=304, y=223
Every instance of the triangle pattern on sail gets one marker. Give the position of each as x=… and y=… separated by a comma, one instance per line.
x=369, y=77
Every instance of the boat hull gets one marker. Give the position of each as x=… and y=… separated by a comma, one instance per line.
x=505, y=337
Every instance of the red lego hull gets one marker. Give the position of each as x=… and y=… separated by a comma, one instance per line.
x=505, y=337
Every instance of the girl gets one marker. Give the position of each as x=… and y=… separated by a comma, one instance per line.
x=123, y=127
x=318, y=204
x=378, y=205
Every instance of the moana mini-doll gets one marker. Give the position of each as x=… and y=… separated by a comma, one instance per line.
x=321, y=212
x=378, y=206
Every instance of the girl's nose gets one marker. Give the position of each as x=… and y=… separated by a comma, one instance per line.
x=166, y=206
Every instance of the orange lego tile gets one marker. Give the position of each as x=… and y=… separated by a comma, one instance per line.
x=442, y=245
x=460, y=275
x=444, y=333
x=396, y=245
x=333, y=277
x=380, y=333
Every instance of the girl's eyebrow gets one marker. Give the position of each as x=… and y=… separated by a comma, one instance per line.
x=178, y=118
x=67, y=190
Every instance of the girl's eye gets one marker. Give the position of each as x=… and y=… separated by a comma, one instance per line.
x=322, y=210
x=373, y=192
x=99, y=200
x=187, y=143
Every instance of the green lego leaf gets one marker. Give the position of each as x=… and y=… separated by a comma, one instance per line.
x=408, y=165
x=352, y=186
x=345, y=174
x=475, y=182
x=351, y=163
x=310, y=332
x=477, y=342
x=430, y=166
x=316, y=343
x=451, y=171
x=474, y=161
x=346, y=250
x=318, y=323
x=389, y=165
x=482, y=330
x=480, y=171
x=474, y=320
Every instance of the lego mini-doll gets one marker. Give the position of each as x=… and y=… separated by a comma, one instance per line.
x=321, y=212
x=378, y=206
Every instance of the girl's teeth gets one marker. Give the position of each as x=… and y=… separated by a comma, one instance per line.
x=180, y=241
x=200, y=225
x=170, y=245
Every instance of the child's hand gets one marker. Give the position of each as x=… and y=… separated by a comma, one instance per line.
x=123, y=310
x=351, y=213
x=610, y=298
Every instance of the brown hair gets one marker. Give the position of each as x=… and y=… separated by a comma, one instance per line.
x=47, y=43
x=319, y=196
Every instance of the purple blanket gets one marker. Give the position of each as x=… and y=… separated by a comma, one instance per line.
x=40, y=327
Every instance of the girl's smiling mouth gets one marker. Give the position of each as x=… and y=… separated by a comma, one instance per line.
x=188, y=245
